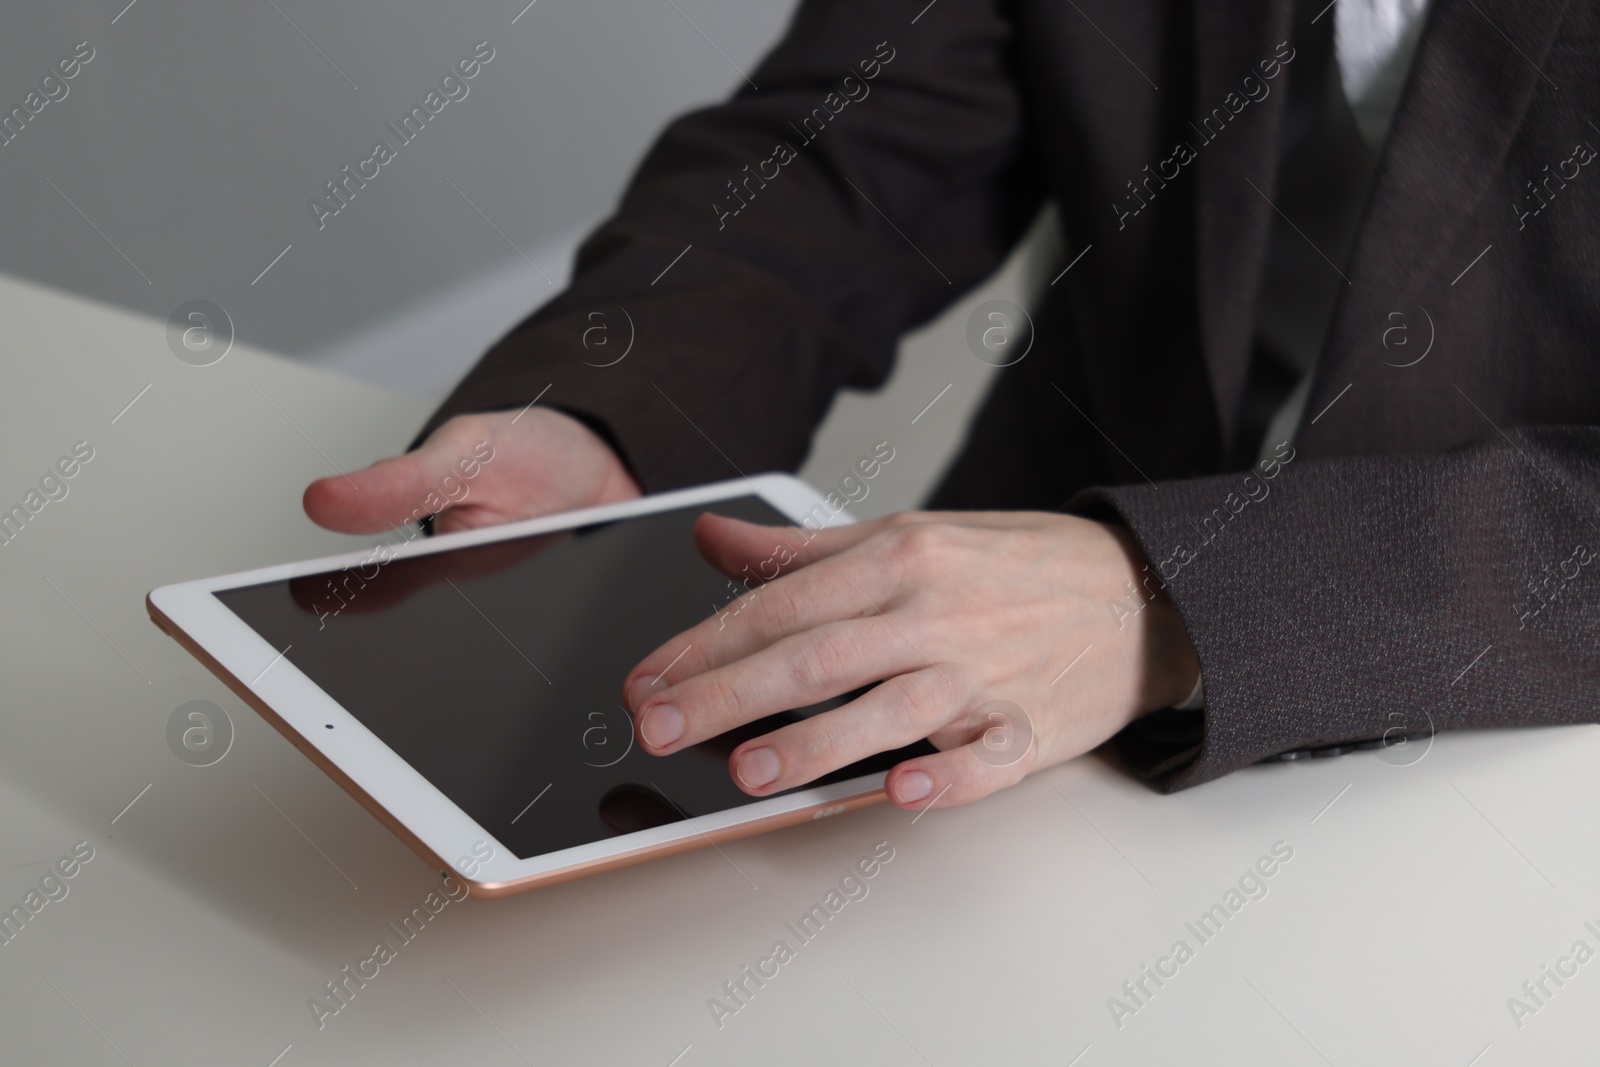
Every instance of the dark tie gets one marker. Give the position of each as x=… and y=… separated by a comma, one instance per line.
x=1324, y=169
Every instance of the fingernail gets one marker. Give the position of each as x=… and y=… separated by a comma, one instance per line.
x=638, y=689
x=662, y=725
x=911, y=786
x=758, y=767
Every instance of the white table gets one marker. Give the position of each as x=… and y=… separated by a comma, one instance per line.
x=1418, y=899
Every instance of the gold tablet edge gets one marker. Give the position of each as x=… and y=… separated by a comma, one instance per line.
x=492, y=890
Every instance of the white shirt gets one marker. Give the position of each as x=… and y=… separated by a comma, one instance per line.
x=1375, y=41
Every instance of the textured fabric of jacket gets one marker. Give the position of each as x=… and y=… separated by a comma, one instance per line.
x=1428, y=555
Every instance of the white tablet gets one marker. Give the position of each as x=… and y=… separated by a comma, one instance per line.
x=466, y=688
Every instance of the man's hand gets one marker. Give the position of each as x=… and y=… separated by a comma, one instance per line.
x=950, y=611
x=543, y=461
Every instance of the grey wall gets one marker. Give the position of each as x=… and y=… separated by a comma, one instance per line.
x=197, y=133
x=189, y=146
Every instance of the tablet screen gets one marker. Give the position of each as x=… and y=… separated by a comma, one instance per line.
x=496, y=671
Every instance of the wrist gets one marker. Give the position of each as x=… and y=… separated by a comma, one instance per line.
x=1169, y=665
x=1172, y=668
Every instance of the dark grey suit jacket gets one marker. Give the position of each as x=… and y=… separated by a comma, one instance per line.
x=1430, y=557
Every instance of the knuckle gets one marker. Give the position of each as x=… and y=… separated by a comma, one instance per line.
x=913, y=702
x=713, y=699
x=779, y=609
x=905, y=518
x=918, y=548
x=826, y=656
x=461, y=428
x=829, y=744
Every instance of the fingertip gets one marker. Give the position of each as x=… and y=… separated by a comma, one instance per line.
x=722, y=540
x=910, y=786
x=635, y=689
x=713, y=528
x=372, y=499
x=713, y=517
x=660, y=727
x=326, y=502
x=755, y=768
x=953, y=777
x=735, y=545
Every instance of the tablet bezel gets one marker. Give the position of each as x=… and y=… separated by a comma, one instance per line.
x=399, y=795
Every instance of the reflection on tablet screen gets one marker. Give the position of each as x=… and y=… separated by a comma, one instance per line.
x=496, y=672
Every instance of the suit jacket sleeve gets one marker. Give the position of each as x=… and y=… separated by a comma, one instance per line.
x=1351, y=599
x=897, y=191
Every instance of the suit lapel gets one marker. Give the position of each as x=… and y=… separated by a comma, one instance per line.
x=1233, y=220
x=1464, y=101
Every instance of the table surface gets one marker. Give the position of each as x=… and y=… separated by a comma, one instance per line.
x=1424, y=887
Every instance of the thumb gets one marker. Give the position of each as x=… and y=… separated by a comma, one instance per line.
x=384, y=495
x=749, y=550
